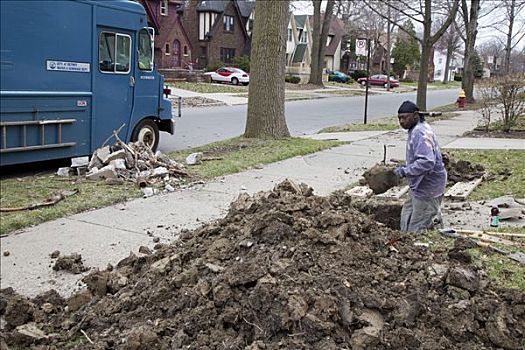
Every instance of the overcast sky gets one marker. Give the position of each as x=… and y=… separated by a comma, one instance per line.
x=485, y=34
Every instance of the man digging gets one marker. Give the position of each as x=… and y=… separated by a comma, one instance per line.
x=424, y=170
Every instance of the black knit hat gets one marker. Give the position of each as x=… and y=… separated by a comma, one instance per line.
x=408, y=107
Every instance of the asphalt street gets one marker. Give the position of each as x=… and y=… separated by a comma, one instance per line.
x=200, y=126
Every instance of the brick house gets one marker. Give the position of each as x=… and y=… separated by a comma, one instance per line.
x=173, y=48
x=218, y=30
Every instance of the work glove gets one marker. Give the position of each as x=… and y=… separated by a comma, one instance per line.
x=400, y=171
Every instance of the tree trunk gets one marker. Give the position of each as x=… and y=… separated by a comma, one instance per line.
x=319, y=36
x=471, y=25
x=315, y=77
x=450, y=52
x=426, y=48
x=508, y=47
x=266, y=118
x=327, y=19
x=423, y=76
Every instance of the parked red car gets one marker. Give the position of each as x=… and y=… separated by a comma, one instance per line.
x=378, y=79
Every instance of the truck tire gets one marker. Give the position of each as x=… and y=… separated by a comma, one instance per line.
x=147, y=131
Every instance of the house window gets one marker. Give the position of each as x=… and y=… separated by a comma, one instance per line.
x=304, y=36
x=329, y=39
x=440, y=60
x=228, y=23
x=167, y=49
x=114, y=53
x=164, y=7
x=227, y=55
x=185, y=50
x=203, y=50
x=290, y=35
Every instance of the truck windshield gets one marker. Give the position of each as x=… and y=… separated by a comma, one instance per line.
x=114, y=52
x=145, y=51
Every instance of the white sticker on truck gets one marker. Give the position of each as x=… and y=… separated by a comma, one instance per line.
x=64, y=66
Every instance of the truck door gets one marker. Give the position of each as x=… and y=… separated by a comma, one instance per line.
x=147, y=86
x=113, y=85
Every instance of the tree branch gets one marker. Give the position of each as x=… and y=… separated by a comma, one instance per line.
x=444, y=27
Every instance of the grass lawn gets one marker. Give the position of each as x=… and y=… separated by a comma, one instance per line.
x=496, y=161
x=501, y=270
x=206, y=88
x=19, y=192
x=236, y=155
x=344, y=92
x=240, y=154
x=436, y=85
x=387, y=123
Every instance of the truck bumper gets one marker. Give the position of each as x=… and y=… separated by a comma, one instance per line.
x=167, y=125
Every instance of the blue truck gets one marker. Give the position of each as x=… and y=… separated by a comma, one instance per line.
x=72, y=72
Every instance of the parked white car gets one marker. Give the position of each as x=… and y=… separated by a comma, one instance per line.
x=231, y=75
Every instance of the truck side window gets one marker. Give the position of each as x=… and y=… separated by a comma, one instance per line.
x=145, y=51
x=114, y=52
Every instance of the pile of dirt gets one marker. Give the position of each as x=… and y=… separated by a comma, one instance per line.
x=284, y=269
x=70, y=263
x=462, y=170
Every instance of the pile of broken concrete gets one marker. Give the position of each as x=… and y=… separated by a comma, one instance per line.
x=134, y=162
x=284, y=269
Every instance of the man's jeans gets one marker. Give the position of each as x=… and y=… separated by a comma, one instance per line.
x=418, y=213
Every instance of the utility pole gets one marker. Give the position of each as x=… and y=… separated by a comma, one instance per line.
x=367, y=79
x=388, y=48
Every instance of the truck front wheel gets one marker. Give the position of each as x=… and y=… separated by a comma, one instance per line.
x=147, y=131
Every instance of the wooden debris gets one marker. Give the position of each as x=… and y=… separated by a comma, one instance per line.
x=461, y=190
x=395, y=192
x=51, y=200
x=134, y=162
x=360, y=191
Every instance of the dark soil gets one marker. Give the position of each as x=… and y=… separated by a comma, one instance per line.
x=283, y=270
x=461, y=170
x=70, y=263
x=385, y=211
x=513, y=134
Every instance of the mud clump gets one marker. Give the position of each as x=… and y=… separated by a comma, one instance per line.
x=380, y=178
x=70, y=263
x=461, y=170
x=285, y=269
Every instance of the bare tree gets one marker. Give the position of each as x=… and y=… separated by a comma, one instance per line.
x=421, y=12
x=467, y=29
x=450, y=42
x=319, y=36
x=515, y=28
x=266, y=118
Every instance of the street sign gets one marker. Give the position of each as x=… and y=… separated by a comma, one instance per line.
x=360, y=47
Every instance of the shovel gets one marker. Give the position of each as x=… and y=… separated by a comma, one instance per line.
x=517, y=256
x=486, y=237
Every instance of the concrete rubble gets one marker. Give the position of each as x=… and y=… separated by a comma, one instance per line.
x=134, y=162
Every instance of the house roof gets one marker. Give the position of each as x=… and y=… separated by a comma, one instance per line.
x=336, y=30
x=298, y=55
x=300, y=20
x=218, y=21
x=211, y=5
x=245, y=6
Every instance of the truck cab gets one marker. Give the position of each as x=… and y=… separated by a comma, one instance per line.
x=72, y=73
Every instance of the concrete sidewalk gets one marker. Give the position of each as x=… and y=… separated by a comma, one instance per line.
x=107, y=235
